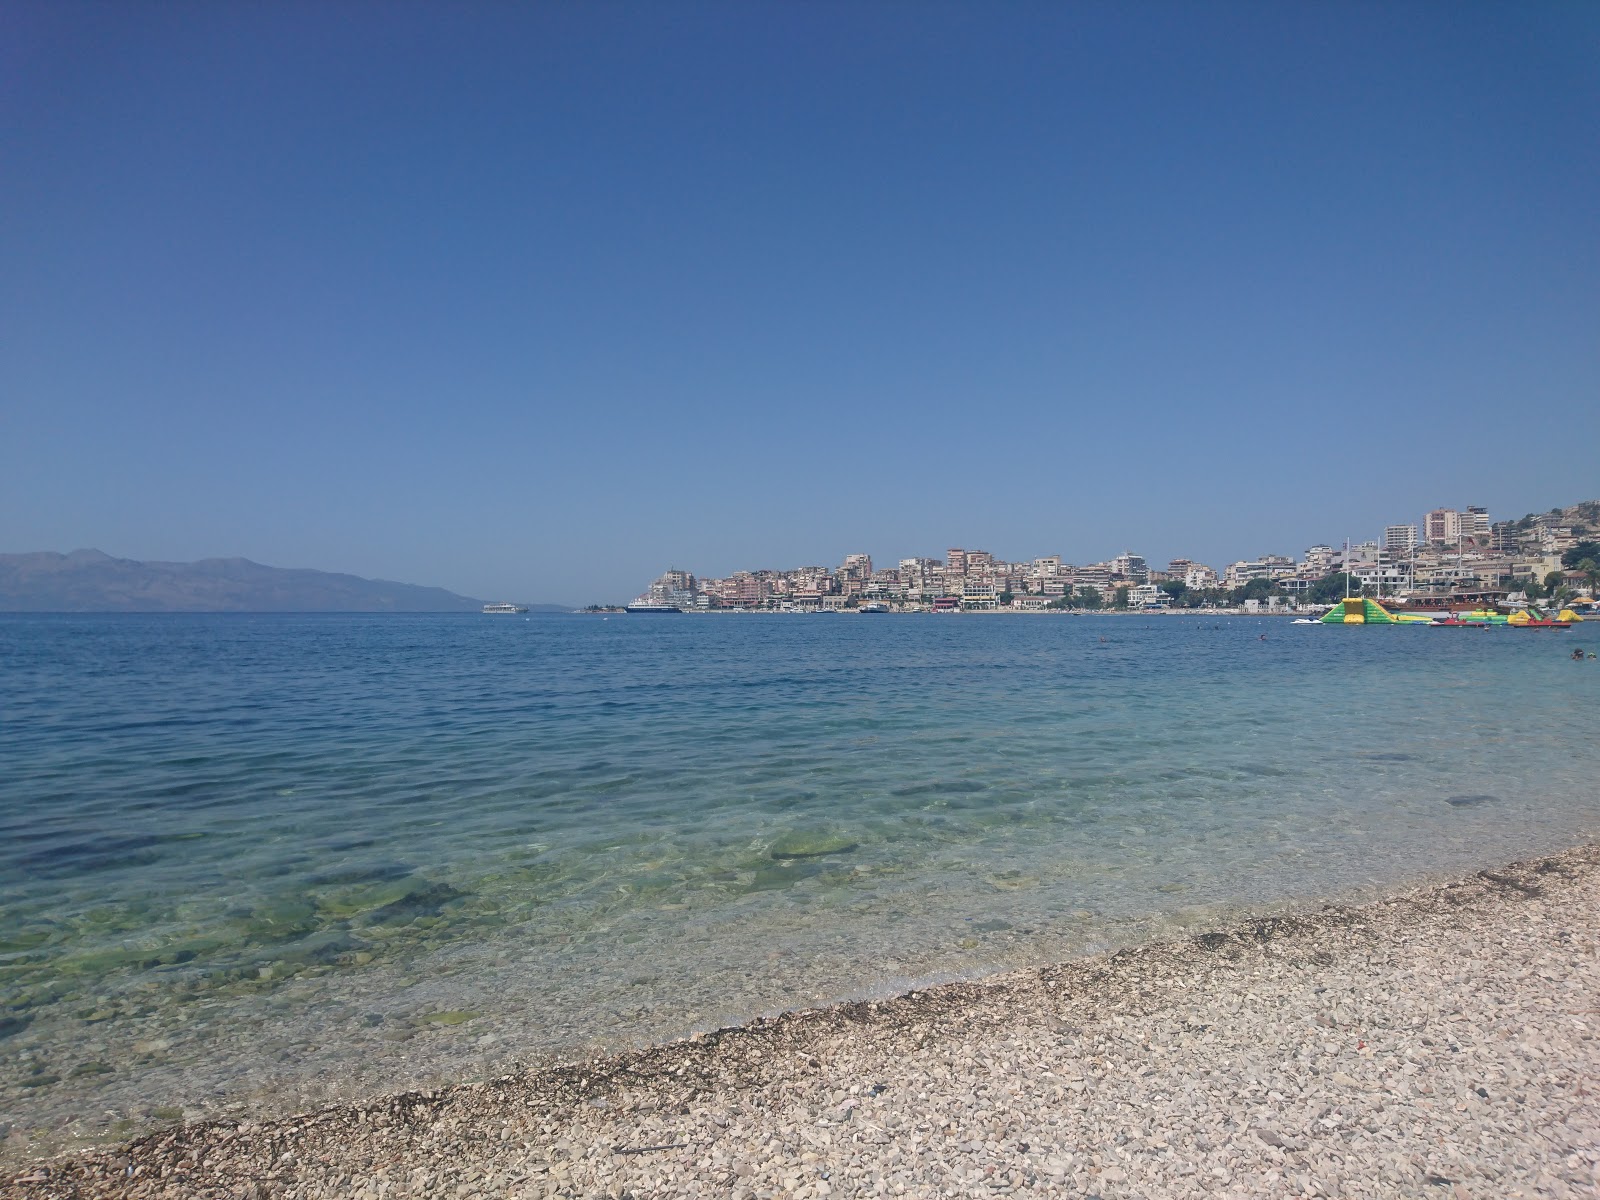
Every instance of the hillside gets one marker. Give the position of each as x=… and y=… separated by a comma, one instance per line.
x=90, y=581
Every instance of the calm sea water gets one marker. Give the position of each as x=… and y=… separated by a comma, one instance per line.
x=265, y=861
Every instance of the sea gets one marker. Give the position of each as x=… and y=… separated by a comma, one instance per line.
x=253, y=864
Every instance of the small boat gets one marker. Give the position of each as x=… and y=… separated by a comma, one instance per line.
x=507, y=609
x=1531, y=623
x=1304, y=621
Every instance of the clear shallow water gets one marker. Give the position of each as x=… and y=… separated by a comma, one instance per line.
x=270, y=860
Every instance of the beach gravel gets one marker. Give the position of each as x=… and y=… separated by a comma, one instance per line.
x=1437, y=1043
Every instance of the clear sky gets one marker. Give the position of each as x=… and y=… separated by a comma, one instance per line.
x=535, y=300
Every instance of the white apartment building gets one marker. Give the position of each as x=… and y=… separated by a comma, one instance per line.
x=1400, y=539
x=1387, y=577
x=1200, y=578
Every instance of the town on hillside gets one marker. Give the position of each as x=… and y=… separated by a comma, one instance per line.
x=1451, y=553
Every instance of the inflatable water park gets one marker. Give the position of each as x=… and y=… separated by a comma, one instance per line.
x=1362, y=610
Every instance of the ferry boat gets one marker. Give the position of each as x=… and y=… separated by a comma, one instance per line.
x=645, y=605
x=505, y=608
x=874, y=608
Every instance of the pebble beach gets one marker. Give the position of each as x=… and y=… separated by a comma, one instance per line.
x=1440, y=1041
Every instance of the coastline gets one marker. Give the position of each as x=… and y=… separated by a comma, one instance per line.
x=1439, y=1037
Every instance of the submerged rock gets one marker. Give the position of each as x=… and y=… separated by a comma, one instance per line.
x=811, y=844
x=396, y=902
x=280, y=920
x=1470, y=801
x=774, y=877
x=320, y=949
x=453, y=1017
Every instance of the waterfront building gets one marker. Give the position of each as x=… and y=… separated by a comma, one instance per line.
x=977, y=593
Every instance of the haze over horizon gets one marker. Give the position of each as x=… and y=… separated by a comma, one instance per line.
x=537, y=301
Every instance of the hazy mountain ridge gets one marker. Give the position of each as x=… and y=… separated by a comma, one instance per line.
x=91, y=581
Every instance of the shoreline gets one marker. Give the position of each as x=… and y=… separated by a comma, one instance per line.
x=1353, y=1049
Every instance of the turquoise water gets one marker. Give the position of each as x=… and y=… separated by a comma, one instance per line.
x=266, y=861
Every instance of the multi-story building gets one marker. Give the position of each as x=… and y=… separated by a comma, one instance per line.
x=1200, y=578
x=1240, y=573
x=1387, y=578
x=1317, y=561
x=1095, y=575
x=978, y=593
x=1130, y=566
x=1399, y=539
x=1357, y=552
x=1475, y=522
x=955, y=562
x=677, y=588
x=921, y=576
x=1442, y=527
x=856, y=566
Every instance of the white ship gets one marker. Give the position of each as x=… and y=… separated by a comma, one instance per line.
x=505, y=608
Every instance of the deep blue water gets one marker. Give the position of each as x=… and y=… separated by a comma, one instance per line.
x=241, y=853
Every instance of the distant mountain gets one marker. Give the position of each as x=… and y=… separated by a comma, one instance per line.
x=89, y=581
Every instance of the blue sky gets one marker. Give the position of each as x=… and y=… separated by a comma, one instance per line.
x=535, y=300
